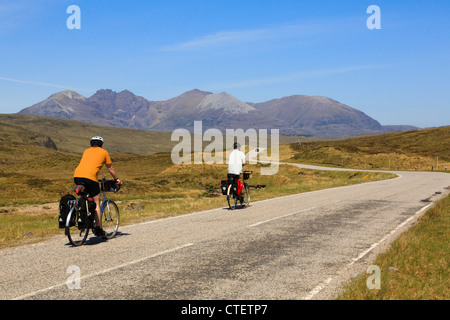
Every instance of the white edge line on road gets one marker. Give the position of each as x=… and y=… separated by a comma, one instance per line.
x=362, y=254
x=322, y=285
x=106, y=270
x=317, y=289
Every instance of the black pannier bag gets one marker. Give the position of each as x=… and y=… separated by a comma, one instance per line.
x=64, y=209
x=224, y=186
x=86, y=205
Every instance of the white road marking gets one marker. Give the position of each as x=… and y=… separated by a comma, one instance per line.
x=317, y=289
x=373, y=246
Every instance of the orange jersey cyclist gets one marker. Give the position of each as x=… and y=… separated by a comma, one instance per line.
x=87, y=174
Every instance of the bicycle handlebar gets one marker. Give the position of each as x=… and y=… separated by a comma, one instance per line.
x=105, y=182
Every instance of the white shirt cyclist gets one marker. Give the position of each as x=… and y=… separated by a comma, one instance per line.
x=235, y=161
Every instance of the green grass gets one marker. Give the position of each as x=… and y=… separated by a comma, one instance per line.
x=416, y=267
x=20, y=228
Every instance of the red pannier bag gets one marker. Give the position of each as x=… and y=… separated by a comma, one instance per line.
x=240, y=186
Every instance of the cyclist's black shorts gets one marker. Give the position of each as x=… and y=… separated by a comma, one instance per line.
x=233, y=177
x=92, y=187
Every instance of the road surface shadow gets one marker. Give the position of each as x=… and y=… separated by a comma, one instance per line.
x=93, y=240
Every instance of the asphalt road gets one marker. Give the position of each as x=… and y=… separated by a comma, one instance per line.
x=296, y=247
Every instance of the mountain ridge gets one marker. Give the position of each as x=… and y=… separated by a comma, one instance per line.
x=294, y=115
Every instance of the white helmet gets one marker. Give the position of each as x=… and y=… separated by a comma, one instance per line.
x=97, y=139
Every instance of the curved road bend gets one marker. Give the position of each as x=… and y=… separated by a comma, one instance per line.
x=301, y=246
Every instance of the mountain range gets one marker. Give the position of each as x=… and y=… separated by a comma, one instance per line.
x=293, y=115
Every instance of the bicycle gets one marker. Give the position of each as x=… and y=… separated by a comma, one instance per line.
x=232, y=193
x=78, y=223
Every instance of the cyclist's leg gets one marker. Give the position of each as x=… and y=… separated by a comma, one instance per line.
x=97, y=217
x=93, y=188
x=98, y=229
x=230, y=178
x=236, y=184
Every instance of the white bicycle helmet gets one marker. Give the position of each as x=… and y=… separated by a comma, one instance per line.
x=97, y=140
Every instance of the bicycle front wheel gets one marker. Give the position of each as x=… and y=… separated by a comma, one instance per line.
x=77, y=235
x=110, y=219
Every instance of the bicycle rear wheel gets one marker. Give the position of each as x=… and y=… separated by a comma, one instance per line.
x=77, y=235
x=231, y=198
x=110, y=219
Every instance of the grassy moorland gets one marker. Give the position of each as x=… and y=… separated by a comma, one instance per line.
x=415, y=150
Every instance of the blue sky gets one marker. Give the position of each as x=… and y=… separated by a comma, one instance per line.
x=254, y=50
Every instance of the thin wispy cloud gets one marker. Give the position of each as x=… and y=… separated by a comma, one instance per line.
x=44, y=84
x=290, y=77
x=228, y=38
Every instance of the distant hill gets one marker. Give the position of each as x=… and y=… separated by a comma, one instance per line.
x=296, y=115
x=73, y=136
x=319, y=116
x=173, y=113
x=420, y=149
x=105, y=107
x=222, y=111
